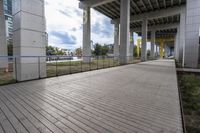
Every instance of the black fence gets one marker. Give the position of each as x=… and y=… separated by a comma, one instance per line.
x=50, y=66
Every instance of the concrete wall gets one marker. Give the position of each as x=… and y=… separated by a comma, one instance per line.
x=29, y=38
x=3, y=45
x=192, y=33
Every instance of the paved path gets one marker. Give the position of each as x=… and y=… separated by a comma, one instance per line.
x=139, y=98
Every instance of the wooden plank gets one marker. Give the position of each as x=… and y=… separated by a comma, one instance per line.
x=6, y=125
x=1, y=129
x=13, y=120
x=63, y=120
x=35, y=99
x=35, y=121
x=26, y=123
x=44, y=120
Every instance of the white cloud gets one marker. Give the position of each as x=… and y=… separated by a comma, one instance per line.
x=65, y=16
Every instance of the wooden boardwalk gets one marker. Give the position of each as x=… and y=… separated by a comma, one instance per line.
x=139, y=98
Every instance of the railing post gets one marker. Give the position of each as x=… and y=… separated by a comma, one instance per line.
x=81, y=65
x=103, y=61
x=66, y=64
x=109, y=61
x=90, y=62
x=70, y=71
x=118, y=60
x=97, y=62
x=113, y=61
x=39, y=67
x=56, y=66
x=16, y=69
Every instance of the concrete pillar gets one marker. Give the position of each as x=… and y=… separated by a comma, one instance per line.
x=192, y=33
x=177, y=40
x=153, y=36
x=3, y=45
x=182, y=36
x=144, y=40
x=156, y=50
x=86, y=34
x=131, y=45
x=124, y=30
x=116, y=41
x=29, y=39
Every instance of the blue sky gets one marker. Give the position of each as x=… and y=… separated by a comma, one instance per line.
x=64, y=25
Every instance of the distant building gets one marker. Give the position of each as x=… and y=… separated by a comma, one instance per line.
x=9, y=20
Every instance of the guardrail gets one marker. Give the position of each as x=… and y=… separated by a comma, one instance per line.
x=51, y=66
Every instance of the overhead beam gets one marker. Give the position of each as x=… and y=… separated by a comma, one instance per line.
x=93, y=3
x=164, y=2
x=179, y=2
x=150, y=4
x=157, y=4
x=144, y=5
x=157, y=27
x=172, y=3
x=156, y=14
x=135, y=5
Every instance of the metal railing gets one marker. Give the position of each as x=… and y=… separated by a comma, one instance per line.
x=15, y=69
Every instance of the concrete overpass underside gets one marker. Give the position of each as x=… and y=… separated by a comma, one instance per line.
x=177, y=19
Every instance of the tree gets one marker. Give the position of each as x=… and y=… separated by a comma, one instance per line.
x=78, y=52
x=97, y=49
x=100, y=50
x=50, y=50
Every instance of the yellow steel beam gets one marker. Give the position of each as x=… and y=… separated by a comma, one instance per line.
x=162, y=48
x=159, y=40
x=138, y=47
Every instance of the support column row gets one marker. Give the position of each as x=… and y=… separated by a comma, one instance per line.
x=125, y=49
